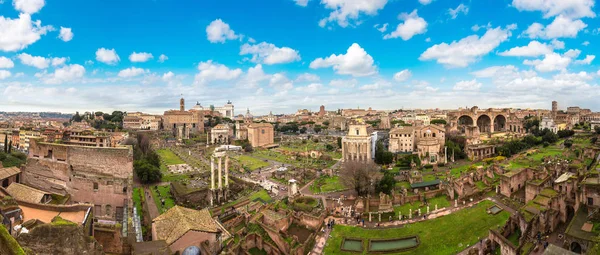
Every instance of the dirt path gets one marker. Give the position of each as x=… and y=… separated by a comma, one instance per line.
x=152, y=208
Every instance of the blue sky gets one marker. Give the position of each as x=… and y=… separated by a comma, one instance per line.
x=284, y=55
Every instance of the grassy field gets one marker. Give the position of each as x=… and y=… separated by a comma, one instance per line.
x=277, y=156
x=441, y=201
x=252, y=163
x=311, y=145
x=168, y=157
x=327, y=184
x=262, y=194
x=164, y=192
x=446, y=235
x=457, y=171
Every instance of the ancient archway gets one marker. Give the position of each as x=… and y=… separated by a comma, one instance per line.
x=484, y=123
x=500, y=123
x=464, y=121
x=576, y=247
x=570, y=213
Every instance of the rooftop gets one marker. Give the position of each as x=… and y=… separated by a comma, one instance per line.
x=47, y=214
x=178, y=220
x=8, y=172
x=25, y=193
x=425, y=184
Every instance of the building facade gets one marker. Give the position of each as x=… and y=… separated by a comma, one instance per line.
x=182, y=123
x=260, y=134
x=356, y=145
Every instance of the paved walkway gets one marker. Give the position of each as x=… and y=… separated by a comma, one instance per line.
x=320, y=244
x=152, y=208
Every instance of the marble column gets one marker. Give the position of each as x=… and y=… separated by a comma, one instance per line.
x=212, y=173
x=219, y=174
x=227, y=171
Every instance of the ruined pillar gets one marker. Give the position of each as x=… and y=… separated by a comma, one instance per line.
x=219, y=174
x=212, y=173
x=227, y=171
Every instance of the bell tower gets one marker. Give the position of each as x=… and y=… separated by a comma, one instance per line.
x=182, y=104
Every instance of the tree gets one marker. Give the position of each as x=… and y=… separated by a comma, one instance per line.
x=317, y=129
x=329, y=147
x=9, y=147
x=597, y=129
x=386, y=184
x=303, y=130
x=147, y=172
x=549, y=137
x=339, y=142
x=438, y=121
x=76, y=117
x=568, y=143
x=6, y=143
x=359, y=176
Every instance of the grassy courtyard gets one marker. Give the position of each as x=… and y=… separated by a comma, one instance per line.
x=446, y=235
x=457, y=171
x=326, y=184
x=251, y=163
x=169, y=157
x=163, y=192
x=441, y=201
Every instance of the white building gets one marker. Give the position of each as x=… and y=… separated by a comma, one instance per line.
x=548, y=123
x=226, y=110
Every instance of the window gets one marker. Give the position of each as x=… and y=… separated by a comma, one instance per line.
x=357, y=132
x=194, y=125
x=95, y=186
x=108, y=210
x=590, y=201
x=262, y=131
x=98, y=209
x=109, y=183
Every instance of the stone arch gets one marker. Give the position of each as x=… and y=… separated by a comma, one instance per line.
x=484, y=123
x=575, y=247
x=500, y=123
x=464, y=121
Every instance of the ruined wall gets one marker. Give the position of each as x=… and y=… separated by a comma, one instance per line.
x=67, y=239
x=110, y=240
x=506, y=247
x=100, y=176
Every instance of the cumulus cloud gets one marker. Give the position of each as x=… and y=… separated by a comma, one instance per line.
x=413, y=25
x=162, y=58
x=471, y=85
x=65, y=74
x=58, y=61
x=550, y=8
x=212, y=71
x=308, y=77
x=270, y=54
x=253, y=77
x=551, y=62
x=132, y=72
x=28, y=6
x=140, y=57
x=344, y=83
x=107, y=56
x=65, y=34
x=461, y=8
x=377, y=85
x=346, y=11
x=586, y=61
x=280, y=82
x=556, y=44
x=381, y=28
x=40, y=62
x=17, y=34
x=402, y=76
x=311, y=88
x=468, y=49
x=302, y=3
x=168, y=76
x=4, y=74
x=219, y=32
x=561, y=27
x=425, y=2
x=533, y=49
x=356, y=62
x=476, y=27
x=6, y=63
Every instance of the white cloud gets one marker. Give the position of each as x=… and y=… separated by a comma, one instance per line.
x=551, y=62
x=476, y=27
x=550, y=8
x=17, y=34
x=311, y=88
x=356, y=62
x=4, y=74
x=586, y=43
x=402, y=76
x=471, y=85
x=381, y=28
x=428, y=39
x=343, y=83
x=425, y=2
x=107, y=56
x=212, y=71
x=561, y=27
x=35, y=61
x=65, y=74
x=168, y=76
x=468, y=49
x=556, y=44
x=586, y=61
x=308, y=77
x=280, y=82
x=253, y=77
x=162, y=58
x=302, y=3
x=572, y=53
x=20, y=74
x=28, y=6
x=345, y=11
x=140, y=57
x=461, y=8
x=269, y=54
x=65, y=34
x=380, y=84
x=59, y=61
x=413, y=25
x=132, y=72
x=219, y=32
x=533, y=49
x=6, y=63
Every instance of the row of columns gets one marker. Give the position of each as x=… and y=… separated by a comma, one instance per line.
x=356, y=151
x=219, y=194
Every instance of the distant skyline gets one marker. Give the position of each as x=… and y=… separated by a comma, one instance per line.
x=285, y=55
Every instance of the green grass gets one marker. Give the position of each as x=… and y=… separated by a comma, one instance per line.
x=326, y=184
x=298, y=162
x=252, y=163
x=441, y=201
x=169, y=158
x=402, y=185
x=58, y=221
x=9, y=242
x=256, y=251
x=457, y=171
x=446, y=235
x=165, y=193
x=262, y=194
x=480, y=185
